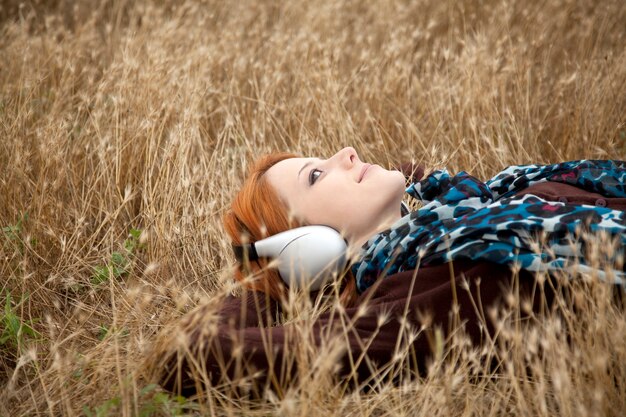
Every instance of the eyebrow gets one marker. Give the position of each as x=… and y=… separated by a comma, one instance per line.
x=302, y=169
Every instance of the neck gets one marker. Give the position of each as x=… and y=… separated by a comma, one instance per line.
x=358, y=241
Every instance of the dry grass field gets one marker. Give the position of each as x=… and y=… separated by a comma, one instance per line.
x=126, y=127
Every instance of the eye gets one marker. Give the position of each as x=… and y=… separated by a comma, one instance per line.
x=314, y=175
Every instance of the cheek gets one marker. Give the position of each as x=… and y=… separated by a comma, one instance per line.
x=332, y=204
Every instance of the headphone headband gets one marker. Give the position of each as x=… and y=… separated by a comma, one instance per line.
x=243, y=251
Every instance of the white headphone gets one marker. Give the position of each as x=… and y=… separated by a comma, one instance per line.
x=307, y=256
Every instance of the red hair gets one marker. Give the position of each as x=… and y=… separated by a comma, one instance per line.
x=258, y=212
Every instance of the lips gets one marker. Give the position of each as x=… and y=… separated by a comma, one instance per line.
x=363, y=171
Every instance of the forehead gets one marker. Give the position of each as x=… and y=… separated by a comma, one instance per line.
x=288, y=166
x=283, y=176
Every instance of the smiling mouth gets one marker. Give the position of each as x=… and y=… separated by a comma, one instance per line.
x=363, y=171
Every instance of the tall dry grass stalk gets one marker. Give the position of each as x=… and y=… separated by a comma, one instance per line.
x=120, y=115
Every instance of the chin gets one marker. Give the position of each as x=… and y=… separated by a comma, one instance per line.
x=396, y=181
x=388, y=185
x=393, y=189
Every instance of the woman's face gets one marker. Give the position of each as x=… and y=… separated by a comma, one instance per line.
x=354, y=197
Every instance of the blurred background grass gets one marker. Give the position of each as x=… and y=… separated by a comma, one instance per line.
x=126, y=127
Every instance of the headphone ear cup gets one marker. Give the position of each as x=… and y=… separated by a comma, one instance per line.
x=313, y=259
x=307, y=256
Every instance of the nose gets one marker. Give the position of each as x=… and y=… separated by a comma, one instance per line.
x=346, y=157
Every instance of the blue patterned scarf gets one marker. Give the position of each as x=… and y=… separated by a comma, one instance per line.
x=464, y=218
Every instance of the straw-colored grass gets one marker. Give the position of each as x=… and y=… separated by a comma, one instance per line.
x=120, y=115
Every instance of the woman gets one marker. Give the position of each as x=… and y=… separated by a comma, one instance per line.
x=483, y=227
x=465, y=219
